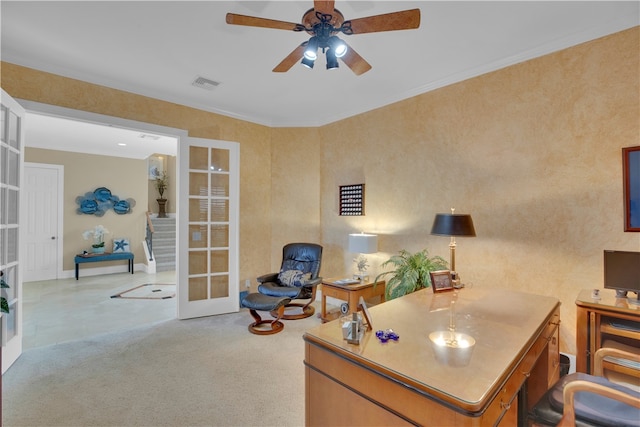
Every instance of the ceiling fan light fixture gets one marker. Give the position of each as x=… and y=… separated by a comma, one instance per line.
x=332, y=61
x=338, y=46
x=311, y=51
x=308, y=62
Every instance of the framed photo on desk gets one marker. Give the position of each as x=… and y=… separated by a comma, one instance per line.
x=362, y=306
x=441, y=280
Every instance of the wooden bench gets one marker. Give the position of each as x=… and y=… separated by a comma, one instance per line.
x=80, y=259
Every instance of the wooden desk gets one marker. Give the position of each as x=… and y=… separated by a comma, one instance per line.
x=413, y=381
x=349, y=293
x=594, y=326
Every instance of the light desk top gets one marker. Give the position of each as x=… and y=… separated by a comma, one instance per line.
x=504, y=324
x=608, y=301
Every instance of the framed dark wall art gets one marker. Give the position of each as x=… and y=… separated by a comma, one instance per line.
x=352, y=200
x=631, y=180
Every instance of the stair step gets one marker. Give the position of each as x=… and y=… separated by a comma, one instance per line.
x=164, y=243
x=166, y=267
x=164, y=253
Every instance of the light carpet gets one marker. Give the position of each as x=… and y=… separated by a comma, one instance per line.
x=148, y=291
x=201, y=372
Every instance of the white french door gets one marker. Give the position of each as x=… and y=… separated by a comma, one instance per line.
x=11, y=160
x=208, y=236
x=41, y=229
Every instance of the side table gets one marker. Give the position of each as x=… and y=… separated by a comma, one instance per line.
x=350, y=293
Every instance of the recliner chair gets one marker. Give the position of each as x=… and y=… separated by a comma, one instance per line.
x=298, y=279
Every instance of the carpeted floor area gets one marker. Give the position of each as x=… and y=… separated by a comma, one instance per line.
x=200, y=372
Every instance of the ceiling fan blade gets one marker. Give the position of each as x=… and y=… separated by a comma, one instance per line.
x=354, y=61
x=252, y=21
x=290, y=60
x=404, y=20
x=325, y=7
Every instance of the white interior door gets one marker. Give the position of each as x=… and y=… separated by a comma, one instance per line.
x=41, y=228
x=208, y=215
x=11, y=160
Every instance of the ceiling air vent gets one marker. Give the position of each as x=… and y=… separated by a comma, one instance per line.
x=205, y=83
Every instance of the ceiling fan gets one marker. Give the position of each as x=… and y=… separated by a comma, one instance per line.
x=323, y=22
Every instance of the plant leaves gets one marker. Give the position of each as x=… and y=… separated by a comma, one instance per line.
x=4, y=305
x=411, y=272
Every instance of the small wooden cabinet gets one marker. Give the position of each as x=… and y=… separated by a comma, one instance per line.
x=610, y=320
x=350, y=293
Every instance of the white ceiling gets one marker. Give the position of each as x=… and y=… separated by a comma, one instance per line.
x=157, y=48
x=47, y=131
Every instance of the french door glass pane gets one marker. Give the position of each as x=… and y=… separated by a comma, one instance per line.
x=219, y=261
x=197, y=288
x=219, y=185
x=219, y=210
x=14, y=130
x=198, y=210
x=208, y=223
x=198, y=158
x=219, y=160
x=198, y=262
x=13, y=168
x=12, y=206
x=11, y=320
x=3, y=197
x=4, y=153
x=219, y=235
x=3, y=123
x=198, y=236
x=220, y=286
x=198, y=184
x=11, y=278
x=12, y=245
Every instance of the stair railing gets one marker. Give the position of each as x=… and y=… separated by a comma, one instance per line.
x=149, y=236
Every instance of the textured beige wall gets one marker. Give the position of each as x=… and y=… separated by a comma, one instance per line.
x=532, y=151
x=295, y=191
x=255, y=144
x=83, y=173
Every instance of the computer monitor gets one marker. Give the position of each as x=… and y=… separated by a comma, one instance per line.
x=622, y=273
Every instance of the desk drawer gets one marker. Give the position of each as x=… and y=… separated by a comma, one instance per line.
x=334, y=293
x=537, y=365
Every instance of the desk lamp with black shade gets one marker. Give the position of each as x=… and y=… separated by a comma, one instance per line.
x=453, y=225
x=451, y=347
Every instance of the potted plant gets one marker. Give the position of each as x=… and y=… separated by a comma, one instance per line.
x=162, y=182
x=411, y=272
x=97, y=233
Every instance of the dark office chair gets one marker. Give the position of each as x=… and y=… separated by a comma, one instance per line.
x=591, y=400
x=298, y=279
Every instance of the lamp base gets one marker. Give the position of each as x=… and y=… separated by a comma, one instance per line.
x=361, y=276
x=455, y=280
